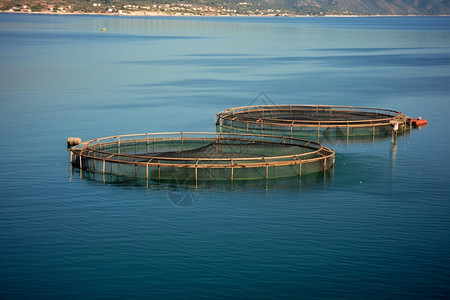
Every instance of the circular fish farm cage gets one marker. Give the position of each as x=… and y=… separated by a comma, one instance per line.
x=315, y=122
x=184, y=156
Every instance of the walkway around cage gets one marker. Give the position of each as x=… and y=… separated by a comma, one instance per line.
x=315, y=122
x=193, y=156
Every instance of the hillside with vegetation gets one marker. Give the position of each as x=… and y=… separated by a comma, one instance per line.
x=232, y=7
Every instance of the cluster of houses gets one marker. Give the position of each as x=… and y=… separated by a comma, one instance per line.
x=243, y=8
x=195, y=9
x=39, y=8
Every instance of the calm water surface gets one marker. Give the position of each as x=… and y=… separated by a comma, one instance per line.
x=376, y=226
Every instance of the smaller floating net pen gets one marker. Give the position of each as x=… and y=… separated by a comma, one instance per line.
x=315, y=122
x=201, y=156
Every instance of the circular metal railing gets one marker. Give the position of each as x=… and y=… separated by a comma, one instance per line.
x=202, y=156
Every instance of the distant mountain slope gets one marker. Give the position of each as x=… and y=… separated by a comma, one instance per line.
x=373, y=7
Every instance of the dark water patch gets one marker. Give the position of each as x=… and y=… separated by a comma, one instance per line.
x=150, y=104
x=364, y=84
x=236, y=61
x=42, y=37
x=347, y=61
x=392, y=60
x=196, y=83
x=338, y=61
x=363, y=50
x=222, y=55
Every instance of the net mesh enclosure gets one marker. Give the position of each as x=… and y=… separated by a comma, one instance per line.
x=201, y=156
x=314, y=122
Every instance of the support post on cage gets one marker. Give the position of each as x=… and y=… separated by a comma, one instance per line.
x=196, y=173
x=300, y=173
x=81, y=164
x=348, y=131
x=318, y=132
x=267, y=168
x=292, y=124
x=232, y=170
x=181, y=141
x=159, y=173
x=299, y=168
x=146, y=172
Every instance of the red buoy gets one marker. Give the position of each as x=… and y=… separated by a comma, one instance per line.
x=419, y=122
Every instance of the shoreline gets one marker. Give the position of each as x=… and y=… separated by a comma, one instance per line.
x=161, y=14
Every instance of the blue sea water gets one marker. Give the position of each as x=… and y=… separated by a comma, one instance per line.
x=375, y=227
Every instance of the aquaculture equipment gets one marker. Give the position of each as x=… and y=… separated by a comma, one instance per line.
x=317, y=122
x=419, y=122
x=194, y=156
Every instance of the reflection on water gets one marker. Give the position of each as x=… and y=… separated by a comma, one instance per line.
x=275, y=183
x=187, y=193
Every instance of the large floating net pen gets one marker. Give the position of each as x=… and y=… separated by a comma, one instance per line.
x=316, y=122
x=201, y=156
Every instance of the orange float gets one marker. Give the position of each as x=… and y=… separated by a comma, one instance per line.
x=419, y=122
